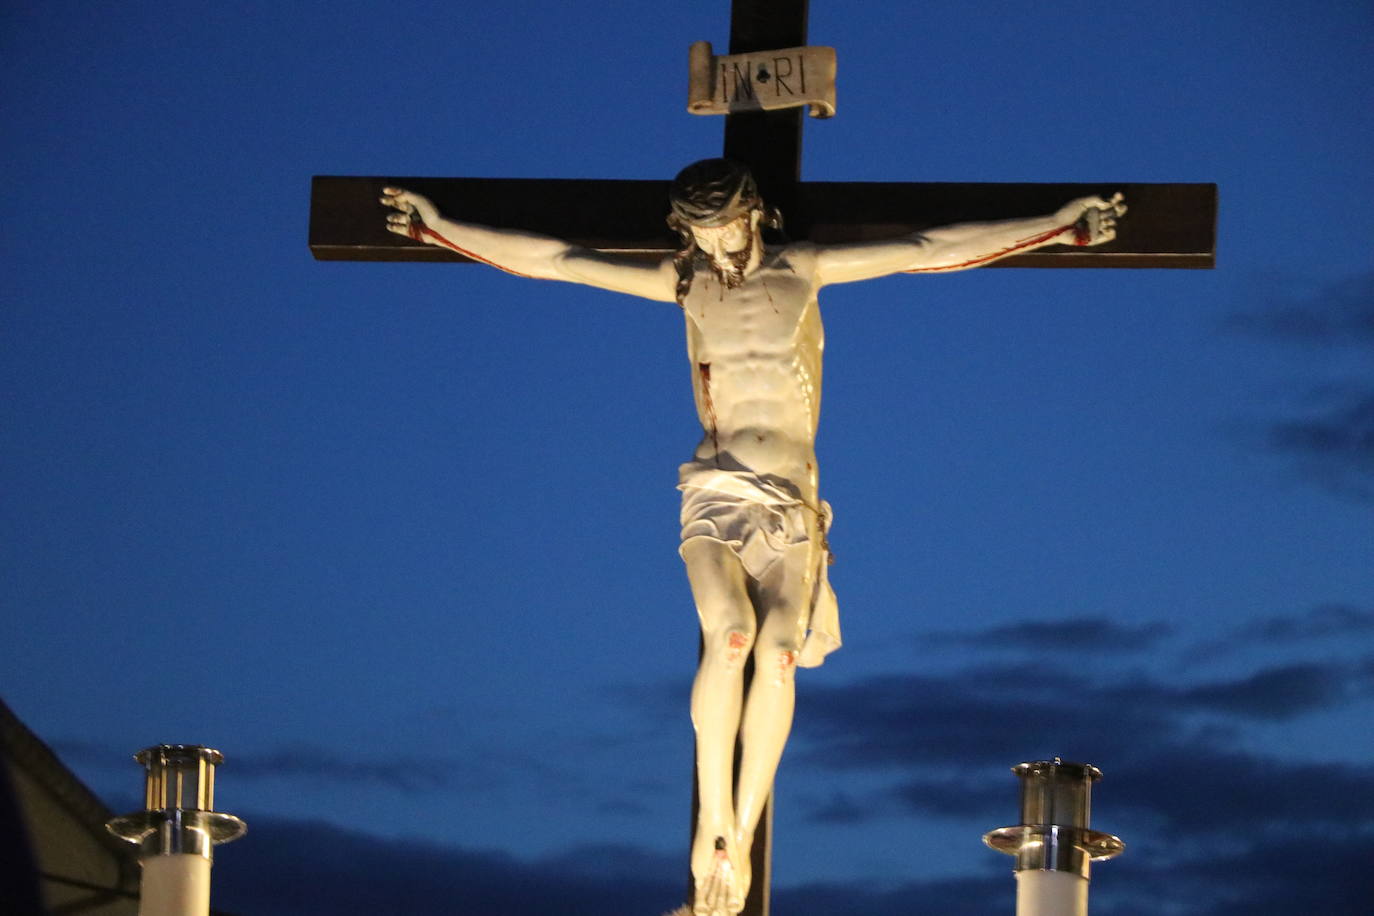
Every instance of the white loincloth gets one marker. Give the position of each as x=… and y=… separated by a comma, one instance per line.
x=761, y=522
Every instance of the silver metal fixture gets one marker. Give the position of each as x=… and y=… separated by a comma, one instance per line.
x=179, y=815
x=1053, y=844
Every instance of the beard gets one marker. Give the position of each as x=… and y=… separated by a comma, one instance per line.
x=731, y=275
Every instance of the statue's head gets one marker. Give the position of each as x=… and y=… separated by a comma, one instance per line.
x=716, y=210
x=713, y=192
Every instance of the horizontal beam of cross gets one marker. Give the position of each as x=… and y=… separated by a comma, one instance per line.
x=1169, y=225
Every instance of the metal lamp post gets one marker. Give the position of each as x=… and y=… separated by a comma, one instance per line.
x=1053, y=844
x=178, y=829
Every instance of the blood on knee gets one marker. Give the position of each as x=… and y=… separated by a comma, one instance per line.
x=736, y=645
x=784, y=664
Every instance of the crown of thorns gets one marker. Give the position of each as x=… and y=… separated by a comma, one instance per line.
x=713, y=192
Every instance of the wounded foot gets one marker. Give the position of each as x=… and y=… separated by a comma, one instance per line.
x=719, y=892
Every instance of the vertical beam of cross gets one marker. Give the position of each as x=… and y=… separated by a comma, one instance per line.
x=770, y=144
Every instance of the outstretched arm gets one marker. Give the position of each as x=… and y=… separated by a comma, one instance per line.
x=527, y=254
x=1085, y=221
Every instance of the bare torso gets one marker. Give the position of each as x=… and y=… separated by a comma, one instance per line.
x=755, y=353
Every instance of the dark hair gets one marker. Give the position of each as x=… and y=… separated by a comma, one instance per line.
x=711, y=192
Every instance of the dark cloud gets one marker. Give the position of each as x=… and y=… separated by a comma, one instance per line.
x=1340, y=313
x=959, y=896
x=1097, y=634
x=1178, y=795
x=1323, y=871
x=972, y=718
x=1336, y=446
x=1324, y=620
x=989, y=795
x=1209, y=792
x=410, y=774
x=1210, y=831
x=406, y=774
x=1298, y=870
x=1301, y=872
x=989, y=716
x=1199, y=866
x=1278, y=693
x=1334, y=441
x=286, y=868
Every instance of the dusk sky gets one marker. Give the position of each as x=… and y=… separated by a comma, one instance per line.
x=401, y=539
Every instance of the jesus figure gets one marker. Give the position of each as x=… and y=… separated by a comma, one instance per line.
x=753, y=525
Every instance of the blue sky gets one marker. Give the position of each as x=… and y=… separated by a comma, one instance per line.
x=401, y=539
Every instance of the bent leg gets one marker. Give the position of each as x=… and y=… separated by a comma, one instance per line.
x=728, y=628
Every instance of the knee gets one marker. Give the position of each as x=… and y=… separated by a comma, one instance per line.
x=777, y=662
x=730, y=645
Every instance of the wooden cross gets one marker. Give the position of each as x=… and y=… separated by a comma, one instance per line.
x=1170, y=225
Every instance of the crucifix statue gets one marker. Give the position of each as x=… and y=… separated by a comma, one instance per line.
x=753, y=525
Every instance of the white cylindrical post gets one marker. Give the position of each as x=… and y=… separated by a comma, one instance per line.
x=178, y=829
x=173, y=885
x=1053, y=844
x=1051, y=893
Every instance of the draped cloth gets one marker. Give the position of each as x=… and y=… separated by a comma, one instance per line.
x=765, y=521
